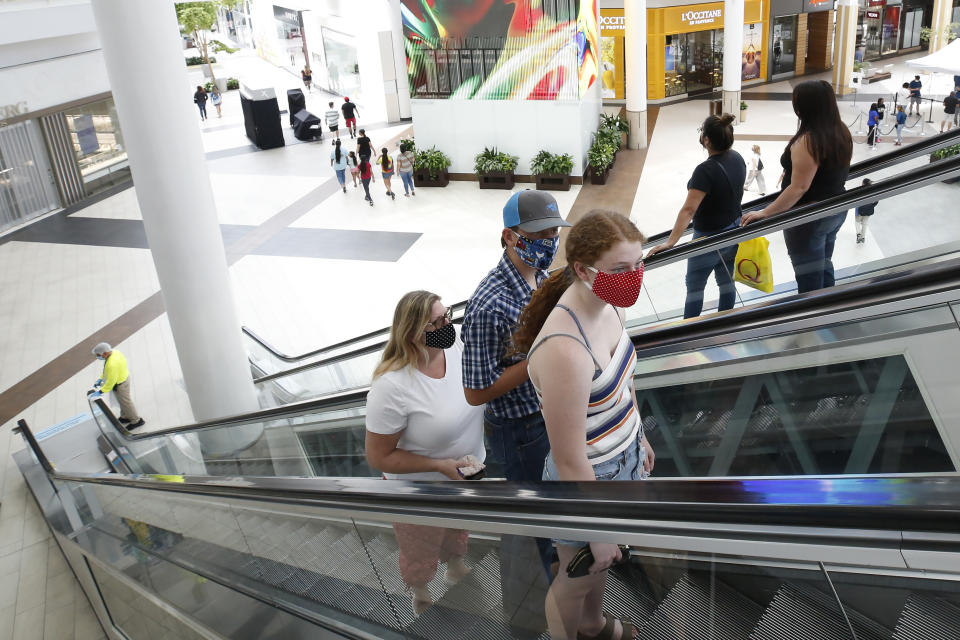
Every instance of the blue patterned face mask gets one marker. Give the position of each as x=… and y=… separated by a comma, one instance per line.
x=537, y=253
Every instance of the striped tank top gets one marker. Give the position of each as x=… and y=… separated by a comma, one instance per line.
x=612, y=421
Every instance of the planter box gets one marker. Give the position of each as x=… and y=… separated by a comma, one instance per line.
x=948, y=180
x=553, y=182
x=743, y=115
x=599, y=177
x=496, y=180
x=423, y=179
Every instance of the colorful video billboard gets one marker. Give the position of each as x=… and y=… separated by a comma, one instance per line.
x=501, y=49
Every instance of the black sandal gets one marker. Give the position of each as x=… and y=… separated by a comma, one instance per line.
x=628, y=630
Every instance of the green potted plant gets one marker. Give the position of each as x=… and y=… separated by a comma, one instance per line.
x=617, y=124
x=552, y=171
x=407, y=144
x=430, y=168
x=943, y=154
x=495, y=169
x=600, y=159
x=743, y=111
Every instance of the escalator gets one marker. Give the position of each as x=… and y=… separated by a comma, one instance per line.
x=898, y=241
x=806, y=486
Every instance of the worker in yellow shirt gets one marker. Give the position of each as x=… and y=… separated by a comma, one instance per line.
x=116, y=378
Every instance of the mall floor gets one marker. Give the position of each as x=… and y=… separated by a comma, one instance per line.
x=310, y=266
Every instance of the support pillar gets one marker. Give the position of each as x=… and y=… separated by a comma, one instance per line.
x=940, y=24
x=635, y=63
x=142, y=51
x=733, y=11
x=845, y=46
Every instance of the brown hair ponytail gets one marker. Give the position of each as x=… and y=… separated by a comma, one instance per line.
x=586, y=241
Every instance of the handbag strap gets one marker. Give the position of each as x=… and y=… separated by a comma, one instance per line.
x=733, y=192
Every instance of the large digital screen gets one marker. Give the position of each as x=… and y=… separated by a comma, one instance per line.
x=501, y=49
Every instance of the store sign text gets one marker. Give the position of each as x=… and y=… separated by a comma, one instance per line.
x=13, y=110
x=613, y=22
x=701, y=17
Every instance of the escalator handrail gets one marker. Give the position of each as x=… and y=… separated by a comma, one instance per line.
x=874, y=291
x=858, y=169
x=803, y=214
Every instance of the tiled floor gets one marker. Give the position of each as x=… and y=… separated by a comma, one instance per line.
x=309, y=265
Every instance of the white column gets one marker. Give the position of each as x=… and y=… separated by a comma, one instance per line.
x=940, y=25
x=141, y=47
x=732, y=54
x=844, y=46
x=635, y=72
x=400, y=60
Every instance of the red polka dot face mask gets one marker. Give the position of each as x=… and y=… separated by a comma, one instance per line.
x=618, y=289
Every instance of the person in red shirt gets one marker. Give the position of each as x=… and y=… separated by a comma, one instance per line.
x=366, y=175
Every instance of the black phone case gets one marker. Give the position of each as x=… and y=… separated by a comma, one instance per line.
x=580, y=564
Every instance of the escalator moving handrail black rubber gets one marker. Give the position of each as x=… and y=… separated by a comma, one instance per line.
x=870, y=165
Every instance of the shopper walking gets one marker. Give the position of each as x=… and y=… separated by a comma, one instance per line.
x=386, y=171
x=338, y=160
x=881, y=111
x=200, y=99
x=901, y=121
x=116, y=378
x=949, y=111
x=366, y=176
x=862, y=217
x=332, y=117
x=307, y=76
x=350, y=112
x=420, y=427
x=714, y=193
x=354, y=165
x=872, y=123
x=756, y=172
x=580, y=362
x=364, y=147
x=816, y=163
x=216, y=99
x=405, y=160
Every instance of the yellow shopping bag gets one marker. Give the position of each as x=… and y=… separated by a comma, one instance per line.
x=753, y=265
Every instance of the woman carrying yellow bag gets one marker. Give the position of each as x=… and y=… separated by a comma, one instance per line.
x=753, y=266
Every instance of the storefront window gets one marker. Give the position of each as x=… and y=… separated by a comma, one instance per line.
x=98, y=144
x=912, y=23
x=343, y=71
x=868, y=33
x=27, y=188
x=891, y=30
x=784, y=44
x=694, y=62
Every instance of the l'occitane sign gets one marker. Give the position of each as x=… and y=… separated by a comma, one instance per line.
x=693, y=17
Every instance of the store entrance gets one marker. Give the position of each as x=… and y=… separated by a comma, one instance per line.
x=694, y=62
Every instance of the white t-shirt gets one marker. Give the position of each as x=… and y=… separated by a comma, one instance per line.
x=433, y=414
x=756, y=162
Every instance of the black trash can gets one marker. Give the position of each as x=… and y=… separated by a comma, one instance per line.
x=261, y=117
x=307, y=126
x=295, y=103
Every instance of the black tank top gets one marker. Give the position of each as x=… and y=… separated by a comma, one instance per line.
x=828, y=181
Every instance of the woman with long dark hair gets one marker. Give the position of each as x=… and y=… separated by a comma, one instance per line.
x=580, y=360
x=714, y=192
x=386, y=170
x=338, y=160
x=815, y=164
x=366, y=175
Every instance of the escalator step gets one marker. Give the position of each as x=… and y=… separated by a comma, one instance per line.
x=683, y=614
x=627, y=596
x=928, y=618
x=803, y=612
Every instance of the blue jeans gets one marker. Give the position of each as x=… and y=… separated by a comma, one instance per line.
x=721, y=263
x=811, y=251
x=341, y=176
x=520, y=447
x=407, y=177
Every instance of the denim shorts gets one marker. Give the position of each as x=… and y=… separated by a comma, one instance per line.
x=627, y=465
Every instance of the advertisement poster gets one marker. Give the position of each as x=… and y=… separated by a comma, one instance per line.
x=752, y=44
x=612, y=72
x=86, y=134
x=501, y=49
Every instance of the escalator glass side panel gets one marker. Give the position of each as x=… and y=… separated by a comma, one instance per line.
x=888, y=241
x=860, y=417
x=422, y=577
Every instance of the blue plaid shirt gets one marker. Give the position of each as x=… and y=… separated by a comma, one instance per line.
x=488, y=324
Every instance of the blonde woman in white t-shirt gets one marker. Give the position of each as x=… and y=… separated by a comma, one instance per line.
x=420, y=427
x=755, y=172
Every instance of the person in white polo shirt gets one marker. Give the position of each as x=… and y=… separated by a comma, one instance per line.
x=332, y=116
